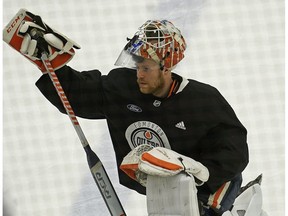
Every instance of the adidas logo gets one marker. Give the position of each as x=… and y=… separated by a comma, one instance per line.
x=181, y=125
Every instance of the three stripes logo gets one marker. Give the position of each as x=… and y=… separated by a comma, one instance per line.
x=181, y=125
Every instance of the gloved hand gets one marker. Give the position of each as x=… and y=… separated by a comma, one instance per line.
x=145, y=160
x=130, y=162
x=39, y=37
x=166, y=162
x=30, y=36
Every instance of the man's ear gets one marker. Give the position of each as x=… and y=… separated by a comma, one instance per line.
x=166, y=70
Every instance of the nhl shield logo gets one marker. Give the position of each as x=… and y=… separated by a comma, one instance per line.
x=156, y=103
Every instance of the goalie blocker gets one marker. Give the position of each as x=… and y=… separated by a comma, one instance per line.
x=30, y=36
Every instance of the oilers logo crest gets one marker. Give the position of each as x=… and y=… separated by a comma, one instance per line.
x=145, y=132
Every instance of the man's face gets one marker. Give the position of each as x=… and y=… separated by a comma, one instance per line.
x=149, y=77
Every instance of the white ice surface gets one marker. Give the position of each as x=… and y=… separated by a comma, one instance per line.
x=236, y=46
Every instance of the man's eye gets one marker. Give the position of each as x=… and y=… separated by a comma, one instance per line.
x=143, y=68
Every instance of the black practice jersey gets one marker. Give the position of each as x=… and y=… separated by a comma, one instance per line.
x=195, y=121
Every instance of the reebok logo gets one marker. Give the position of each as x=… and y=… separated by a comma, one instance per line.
x=181, y=125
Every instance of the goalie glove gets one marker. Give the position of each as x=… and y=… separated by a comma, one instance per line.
x=30, y=36
x=166, y=162
x=130, y=162
x=159, y=161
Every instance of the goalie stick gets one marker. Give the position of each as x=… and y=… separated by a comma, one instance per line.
x=11, y=36
x=97, y=169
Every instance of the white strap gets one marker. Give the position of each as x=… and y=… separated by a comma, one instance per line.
x=153, y=55
x=27, y=24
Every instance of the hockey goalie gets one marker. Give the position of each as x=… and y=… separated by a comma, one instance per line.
x=176, y=140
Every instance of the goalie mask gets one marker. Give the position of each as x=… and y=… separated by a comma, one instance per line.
x=157, y=40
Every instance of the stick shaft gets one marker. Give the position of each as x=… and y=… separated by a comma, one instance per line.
x=96, y=167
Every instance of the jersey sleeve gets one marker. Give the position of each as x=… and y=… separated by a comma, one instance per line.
x=224, y=149
x=83, y=90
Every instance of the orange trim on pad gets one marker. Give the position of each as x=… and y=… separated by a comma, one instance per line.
x=158, y=162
